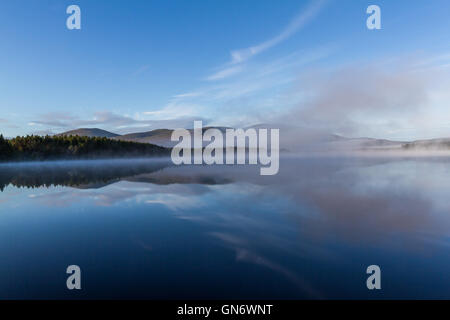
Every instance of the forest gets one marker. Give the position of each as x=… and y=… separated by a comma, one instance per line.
x=35, y=148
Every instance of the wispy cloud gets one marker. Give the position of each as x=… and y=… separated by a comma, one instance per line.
x=178, y=107
x=225, y=73
x=53, y=119
x=188, y=95
x=7, y=124
x=239, y=56
x=296, y=24
x=247, y=97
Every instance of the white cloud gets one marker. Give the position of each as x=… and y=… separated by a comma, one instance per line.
x=225, y=73
x=296, y=24
x=241, y=55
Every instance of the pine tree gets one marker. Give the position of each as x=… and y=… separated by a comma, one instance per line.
x=5, y=149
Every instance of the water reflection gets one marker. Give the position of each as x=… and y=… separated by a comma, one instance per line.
x=91, y=174
x=308, y=232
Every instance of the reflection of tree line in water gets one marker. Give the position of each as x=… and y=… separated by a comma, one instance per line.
x=96, y=175
x=34, y=176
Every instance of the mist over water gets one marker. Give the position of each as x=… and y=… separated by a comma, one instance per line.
x=149, y=229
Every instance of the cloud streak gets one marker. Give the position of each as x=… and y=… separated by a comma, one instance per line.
x=225, y=73
x=241, y=55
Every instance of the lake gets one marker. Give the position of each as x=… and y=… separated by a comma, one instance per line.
x=147, y=229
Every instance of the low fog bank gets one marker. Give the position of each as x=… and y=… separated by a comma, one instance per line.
x=368, y=153
x=304, y=141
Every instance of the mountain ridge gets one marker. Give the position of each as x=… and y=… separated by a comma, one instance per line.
x=89, y=132
x=162, y=137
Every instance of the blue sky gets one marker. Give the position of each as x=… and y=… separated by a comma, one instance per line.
x=141, y=65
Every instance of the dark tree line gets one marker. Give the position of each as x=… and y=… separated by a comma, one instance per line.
x=73, y=147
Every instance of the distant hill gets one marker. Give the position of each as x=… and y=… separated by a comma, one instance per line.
x=291, y=140
x=89, y=132
x=297, y=140
x=160, y=137
x=365, y=143
x=430, y=144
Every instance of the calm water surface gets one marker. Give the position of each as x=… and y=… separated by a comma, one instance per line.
x=147, y=229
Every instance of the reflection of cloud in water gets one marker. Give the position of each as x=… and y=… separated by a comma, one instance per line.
x=310, y=203
x=173, y=196
x=245, y=254
x=353, y=197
